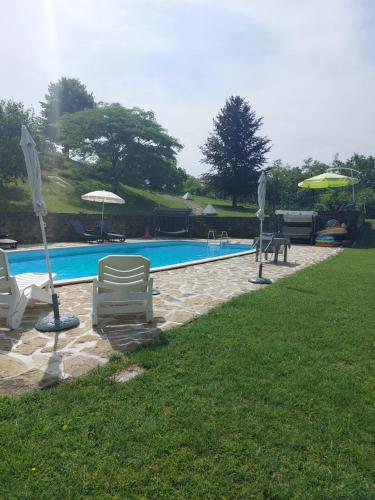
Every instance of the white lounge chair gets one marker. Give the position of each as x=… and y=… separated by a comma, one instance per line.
x=16, y=292
x=123, y=286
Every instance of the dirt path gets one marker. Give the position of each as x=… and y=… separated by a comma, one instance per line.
x=197, y=210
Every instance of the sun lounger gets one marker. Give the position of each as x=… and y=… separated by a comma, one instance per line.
x=17, y=291
x=108, y=234
x=123, y=286
x=85, y=234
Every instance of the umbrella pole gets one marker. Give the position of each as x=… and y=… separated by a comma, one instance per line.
x=259, y=280
x=55, y=302
x=57, y=322
x=101, y=234
x=261, y=249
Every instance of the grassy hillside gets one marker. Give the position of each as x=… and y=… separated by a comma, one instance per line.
x=224, y=207
x=64, y=185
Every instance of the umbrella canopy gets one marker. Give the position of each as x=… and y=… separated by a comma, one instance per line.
x=103, y=197
x=261, y=195
x=262, y=183
x=33, y=171
x=327, y=180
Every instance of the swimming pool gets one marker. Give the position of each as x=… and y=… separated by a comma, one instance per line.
x=82, y=262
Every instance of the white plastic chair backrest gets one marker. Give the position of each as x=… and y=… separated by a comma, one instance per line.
x=4, y=266
x=124, y=271
x=7, y=282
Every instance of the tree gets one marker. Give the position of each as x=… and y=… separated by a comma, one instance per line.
x=117, y=138
x=12, y=116
x=156, y=173
x=234, y=150
x=68, y=95
x=193, y=185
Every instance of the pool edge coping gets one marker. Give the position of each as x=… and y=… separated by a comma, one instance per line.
x=89, y=279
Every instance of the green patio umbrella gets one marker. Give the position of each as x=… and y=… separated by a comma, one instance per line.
x=329, y=180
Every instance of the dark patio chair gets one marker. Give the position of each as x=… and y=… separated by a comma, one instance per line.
x=108, y=234
x=85, y=234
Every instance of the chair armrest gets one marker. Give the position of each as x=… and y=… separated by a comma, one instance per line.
x=150, y=284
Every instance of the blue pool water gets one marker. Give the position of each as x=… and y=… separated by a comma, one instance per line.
x=80, y=262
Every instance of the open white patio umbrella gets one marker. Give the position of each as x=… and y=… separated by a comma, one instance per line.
x=103, y=197
x=56, y=321
x=262, y=183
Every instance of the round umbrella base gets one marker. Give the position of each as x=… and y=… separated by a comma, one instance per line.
x=63, y=322
x=260, y=281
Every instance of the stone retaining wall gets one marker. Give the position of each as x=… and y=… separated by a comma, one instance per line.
x=24, y=227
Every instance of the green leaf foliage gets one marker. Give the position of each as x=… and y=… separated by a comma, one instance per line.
x=12, y=116
x=283, y=190
x=68, y=95
x=121, y=141
x=234, y=150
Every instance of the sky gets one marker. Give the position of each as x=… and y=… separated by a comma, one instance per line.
x=307, y=67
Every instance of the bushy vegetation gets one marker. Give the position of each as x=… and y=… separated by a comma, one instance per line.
x=283, y=190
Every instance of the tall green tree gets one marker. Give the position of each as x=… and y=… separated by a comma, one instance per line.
x=12, y=115
x=234, y=150
x=68, y=95
x=117, y=138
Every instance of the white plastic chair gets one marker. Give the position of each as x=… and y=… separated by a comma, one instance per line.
x=17, y=291
x=123, y=286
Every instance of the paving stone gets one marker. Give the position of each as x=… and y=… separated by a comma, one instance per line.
x=29, y=346
x=10, y=366
x=75, y=366
x=32, y=379
x=6, y=344
x=102, y=348
x=128, y=374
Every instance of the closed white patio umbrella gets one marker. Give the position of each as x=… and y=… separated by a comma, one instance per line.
x=262, y=183
x=57, y=321
x=103, y=197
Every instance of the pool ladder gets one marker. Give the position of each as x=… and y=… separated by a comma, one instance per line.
x=212, y=240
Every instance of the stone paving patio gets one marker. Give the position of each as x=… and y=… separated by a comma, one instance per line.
x=30, y=359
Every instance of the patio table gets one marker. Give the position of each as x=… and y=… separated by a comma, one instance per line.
x=273, y=244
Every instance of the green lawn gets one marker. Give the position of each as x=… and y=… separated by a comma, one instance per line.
x=269, y=396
